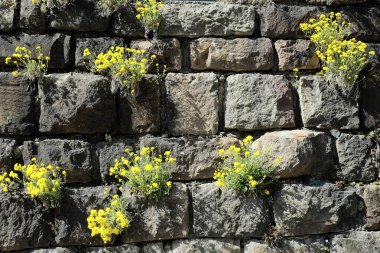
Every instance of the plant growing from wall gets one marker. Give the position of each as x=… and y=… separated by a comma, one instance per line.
x=149, y=14
x=124, y=65
x=48, y=4
x=245, y=170
x=110, y=6
x=112, y=220
x=30, y=63
x=342, y=59
x=44, y=182
x=144, y=173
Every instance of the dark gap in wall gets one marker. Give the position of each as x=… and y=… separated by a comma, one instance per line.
x=185, y=51
x=222, y=101
x=16, y=17
x=191, y=212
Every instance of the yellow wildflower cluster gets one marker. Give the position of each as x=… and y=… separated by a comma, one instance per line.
x=9, y=181
x=109, y=221
x=48, y=4
x=33, y=65
x=42, y=181
x=245, y=170
x=149, y=14
x=341, y=59
x=110, y=6
x=144, y=173
x=122, y=64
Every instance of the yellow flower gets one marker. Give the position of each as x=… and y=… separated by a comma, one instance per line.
x=15, y=73
x=169, y=184
x=267, y=192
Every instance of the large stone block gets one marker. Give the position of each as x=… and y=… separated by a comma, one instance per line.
x=7, y=13
x=141, y=112
x=76, y=103
x=282, y=21
x=258, y=102
x=304, y=152
x=355, y=159
x=218, y=19
x=107, y=152
x=31, y=16
x=303, y=210
x=371, y=197
x=168, y=52
x=287, y=246
x=7, y=153
x=74, y=156
x=166, y=218
x=95, y=45
x=53, y=250
x=296, y=54
x=71, y=216
x=115, y=249
x=324, y=106
x=192, y=104
x=196, y=158
x=356, y=241
x=24, y=223
x=206, y=245
x=226, y=213
x=232, y=55
x=56, y=46
x=79, y=15
x=369, y=99
x=17, y=111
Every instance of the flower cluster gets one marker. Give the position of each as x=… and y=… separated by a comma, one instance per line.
x=33, y=65
x=110, y=6
x=245, y=170
x=341, y=59
x=122, y=64
x=149, y=14
x=109, y=221
x=144, y=173
x=48, y=4
x=43, y=182
x=9, y=181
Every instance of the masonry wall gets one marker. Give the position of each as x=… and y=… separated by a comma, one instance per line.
x=229, y=68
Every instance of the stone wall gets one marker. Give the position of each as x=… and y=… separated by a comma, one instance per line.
x=229, y=68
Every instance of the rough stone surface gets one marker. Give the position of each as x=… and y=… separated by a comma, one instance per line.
x=372, y=69
x=206, y=245
x=7, y=153
x=324, y=106
x=95, y=45
x=191, y=106
x=24, y=223
x=168, y=52
x=31, y=16
x=296, y=54
x=126, y=24
x=258, y=102
x=218, y=19
x=225, y=213
x=79, y=15
x=304, y=152
x=7, y=12
x=17, y=115
x=56, y=46
x=70, y=217
x=54, y=250
x=153, y=248
x=167, y=218
x=107, y=152
x=371, y=197
x=76, y=103
x=114, y=249
x=357, y=241
x=196, y=158
x=141, y=112
x=232, y=55
x=364, y=21
x=370, y=97
x=336, y=2
x=355, y=159
x=287, y=246
x=302, y=210
x=281, y=21
x=74, y=156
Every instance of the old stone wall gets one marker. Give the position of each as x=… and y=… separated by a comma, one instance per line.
x=229, y=68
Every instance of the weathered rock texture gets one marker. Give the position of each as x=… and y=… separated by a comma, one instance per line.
x=286, y=246
x=31, y=16
x=371, y=197
x=357, y=241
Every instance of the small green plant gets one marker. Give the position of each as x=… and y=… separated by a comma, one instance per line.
x=124, y=65
x=32, y=65
x=143, y=173
x=342, y=59
x=244, y=170
x=149, y=15
x=109, y=221
x=48, y=4
x=110, y=6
